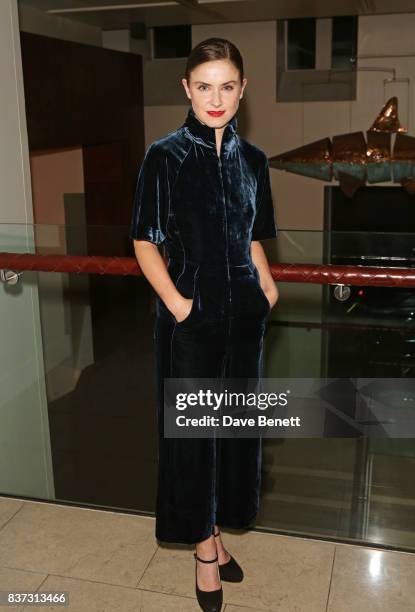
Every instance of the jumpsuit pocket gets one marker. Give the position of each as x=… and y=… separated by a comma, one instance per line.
x=255, y=272
x=194, y=296
x=185, y=281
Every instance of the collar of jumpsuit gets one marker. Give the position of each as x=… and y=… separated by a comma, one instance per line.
x=205, y=135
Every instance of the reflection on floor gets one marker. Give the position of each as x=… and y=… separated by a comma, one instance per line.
x=112, y=562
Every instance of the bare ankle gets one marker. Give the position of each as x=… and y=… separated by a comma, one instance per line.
x=206, y=545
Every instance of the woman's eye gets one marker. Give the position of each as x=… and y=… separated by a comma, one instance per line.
x=205, y=87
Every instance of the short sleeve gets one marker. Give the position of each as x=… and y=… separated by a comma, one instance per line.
x=151, y=198
x=264, y=223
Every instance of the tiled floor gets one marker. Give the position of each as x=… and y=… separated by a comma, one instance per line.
x=109, y=561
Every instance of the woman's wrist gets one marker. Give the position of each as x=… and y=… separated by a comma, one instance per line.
x=175, y=302
x=271, y=293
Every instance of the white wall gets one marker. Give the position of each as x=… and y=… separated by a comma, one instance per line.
x=386, y=36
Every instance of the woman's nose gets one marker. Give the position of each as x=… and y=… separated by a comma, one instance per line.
x=216, y=98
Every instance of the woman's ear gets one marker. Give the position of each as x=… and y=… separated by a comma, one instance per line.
x=186, y=87
x=244, y=82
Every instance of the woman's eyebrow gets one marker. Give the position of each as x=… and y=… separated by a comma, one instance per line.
x=204, y=83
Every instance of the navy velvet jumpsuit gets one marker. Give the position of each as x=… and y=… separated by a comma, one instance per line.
x=206, y=209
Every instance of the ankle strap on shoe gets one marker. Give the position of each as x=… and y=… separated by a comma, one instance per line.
x=204, y=560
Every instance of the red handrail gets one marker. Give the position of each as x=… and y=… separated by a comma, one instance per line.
x=288, y=272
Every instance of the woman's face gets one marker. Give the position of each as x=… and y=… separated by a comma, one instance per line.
x=215, y=86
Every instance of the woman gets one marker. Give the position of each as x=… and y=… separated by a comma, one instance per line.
x=205, y=193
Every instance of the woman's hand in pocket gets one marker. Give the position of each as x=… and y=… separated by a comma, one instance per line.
x=181, y=308
x=271, y=294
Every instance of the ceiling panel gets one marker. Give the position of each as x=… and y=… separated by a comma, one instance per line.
x=114, y=14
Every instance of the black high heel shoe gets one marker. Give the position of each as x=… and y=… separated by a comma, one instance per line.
x=209, y=601
x=230, y=571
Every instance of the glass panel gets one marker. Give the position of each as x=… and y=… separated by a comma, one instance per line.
x=301, y=44
x=344, y=43
x=354, y=489
x=78, y=396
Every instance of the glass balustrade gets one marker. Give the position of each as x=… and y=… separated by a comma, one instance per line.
x=77, y=383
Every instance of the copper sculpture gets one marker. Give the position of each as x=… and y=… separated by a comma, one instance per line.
x=353, y=161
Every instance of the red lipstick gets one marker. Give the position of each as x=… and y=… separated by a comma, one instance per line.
x=216, y=113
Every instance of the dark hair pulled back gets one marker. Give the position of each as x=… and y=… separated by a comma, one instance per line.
x=214, y=49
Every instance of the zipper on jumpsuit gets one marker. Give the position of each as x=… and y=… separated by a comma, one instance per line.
x=227, y=267
x=227, y=315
